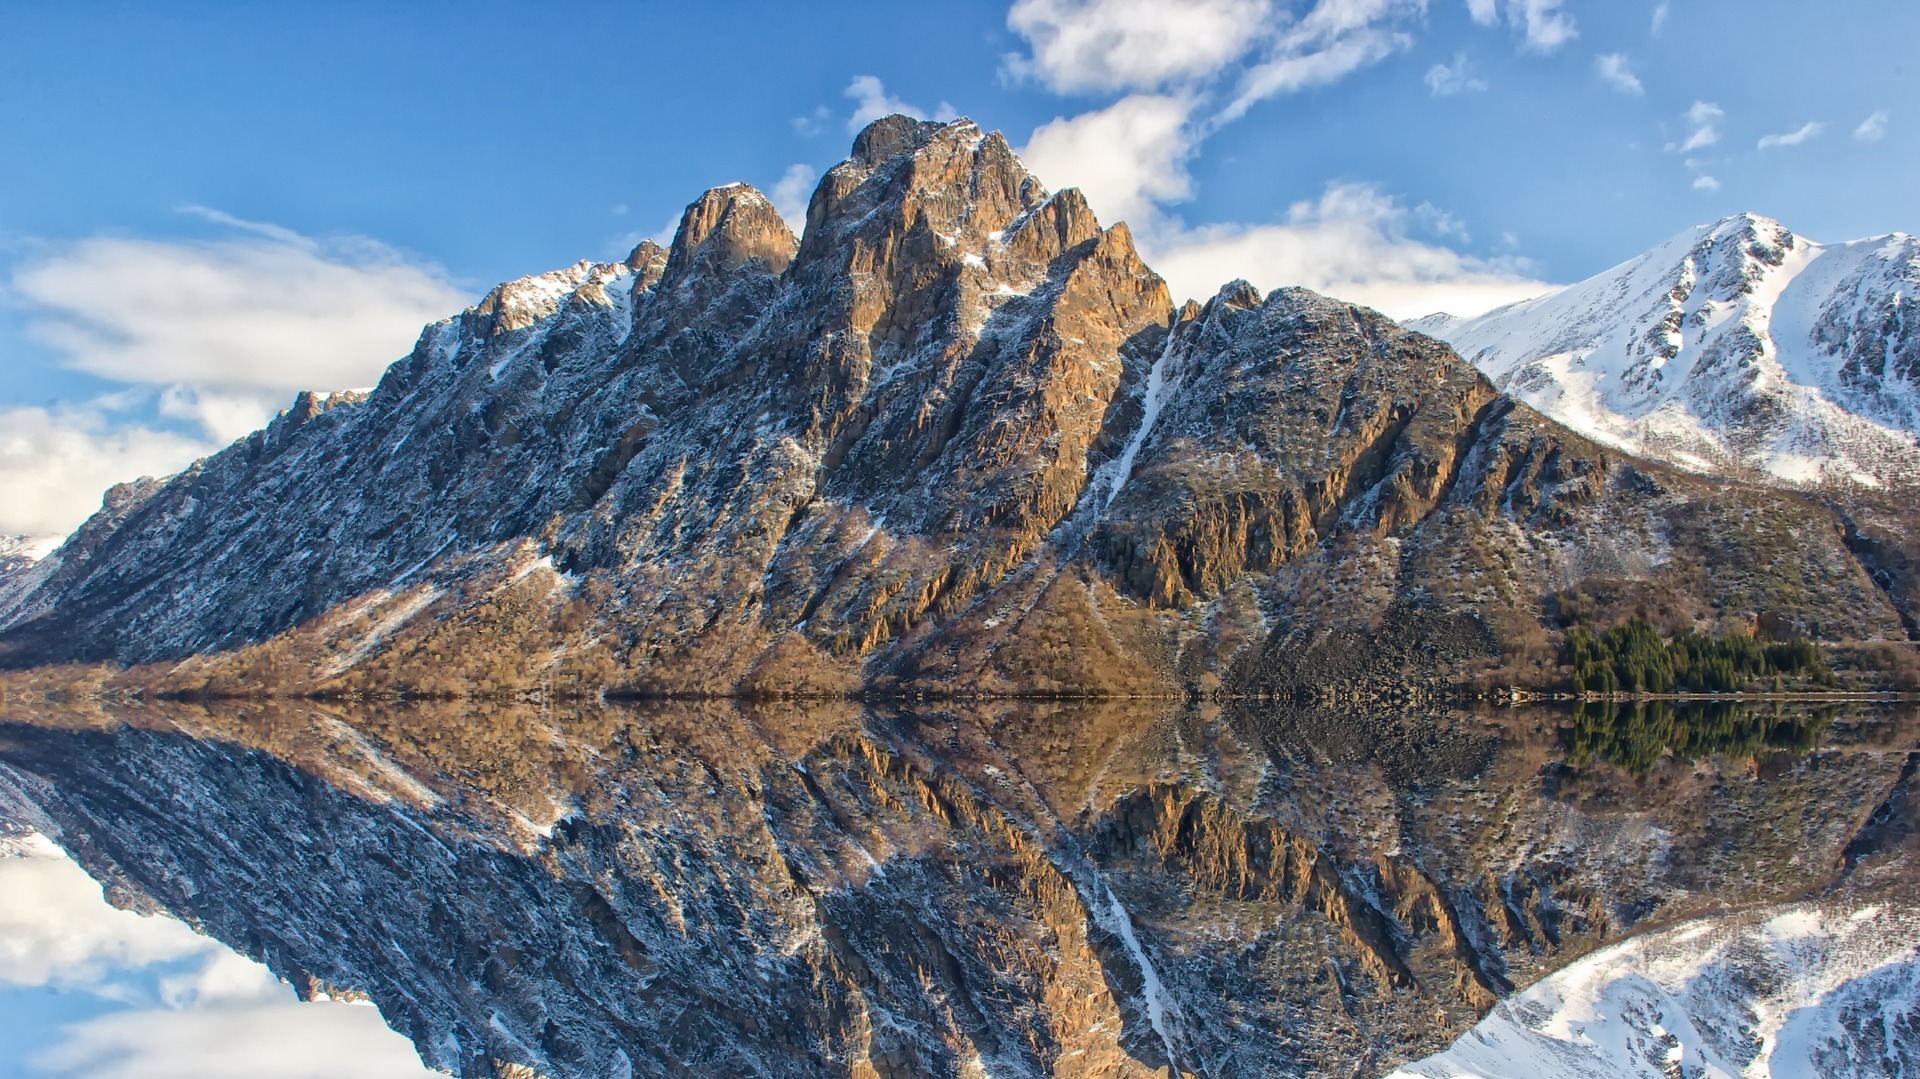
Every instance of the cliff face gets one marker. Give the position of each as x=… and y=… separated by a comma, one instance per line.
x=956, y=436
x=725, y=889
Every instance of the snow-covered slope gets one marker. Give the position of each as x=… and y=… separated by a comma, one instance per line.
x=1808, y=992
x=1733, y=346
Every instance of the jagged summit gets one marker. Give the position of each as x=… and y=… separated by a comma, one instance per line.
x=1734, y=346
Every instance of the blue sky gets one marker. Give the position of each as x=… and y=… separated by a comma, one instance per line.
x=206, y=206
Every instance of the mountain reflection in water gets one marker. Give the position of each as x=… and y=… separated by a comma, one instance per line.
x=1008, y=888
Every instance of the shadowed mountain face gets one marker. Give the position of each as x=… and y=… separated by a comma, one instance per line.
x=1012, y=890
x=956, y=435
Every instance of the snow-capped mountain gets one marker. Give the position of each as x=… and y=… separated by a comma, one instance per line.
x=1734, y=346
x=19, y=553
x=1811, y=991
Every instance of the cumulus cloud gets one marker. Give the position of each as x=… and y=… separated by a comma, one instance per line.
x=871, y=101
x=1705, y=183
x=1790, y=138
x=1126, y=157
x=791, y=192
x=221, y=1016
x=1616, y=71
x=1334, y=39
x=1542, y=25
x=1446, y=80
x=56, y=929
x=1353, y=242
x=1093, y=45
x=54, y=464
x=1873, y=128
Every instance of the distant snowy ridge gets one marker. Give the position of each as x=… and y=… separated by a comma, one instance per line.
x=1733, y=347
x=19, y=553
x=1811, y=991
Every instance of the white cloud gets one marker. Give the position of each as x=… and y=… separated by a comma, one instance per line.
x=57, y=929
x=871, y=102
x=1791, y=138
x=217, y=333
x=1446, y=80
x=1703, y=118
x=226, y=1017
x=234, y=327
x=791, y=192
x=812, y=123
x=277, y=1039
x=1616, y=71
x=1661, y=13
x=1543, y=25
x=1705, y=183
x=1333, y=40
x=1352, y=243
x=54, y=464
x=1125, y=157
x=1873, y=128
x=1082, y=45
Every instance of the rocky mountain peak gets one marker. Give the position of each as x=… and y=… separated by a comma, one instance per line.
x=726, y=228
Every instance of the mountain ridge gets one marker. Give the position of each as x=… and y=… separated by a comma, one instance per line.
x=957, y=434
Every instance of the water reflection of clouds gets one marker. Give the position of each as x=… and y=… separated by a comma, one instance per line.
x=88, y=991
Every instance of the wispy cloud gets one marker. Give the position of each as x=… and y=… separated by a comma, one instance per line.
x=1616, y=71
x=1446, y=80
x=791, y=192
x=1705, y=183
x=1791, y=138
x=1661, y=13
x=1703, y=130
x=1542, y=25
x=1334, y=39
x=1873, y=128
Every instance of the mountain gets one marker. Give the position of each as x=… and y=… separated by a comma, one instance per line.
x=955, y=438
x=1736, y=346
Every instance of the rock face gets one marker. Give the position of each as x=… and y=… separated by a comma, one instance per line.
x=1734, y=346
x=955, y=437
x=1011, y=889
